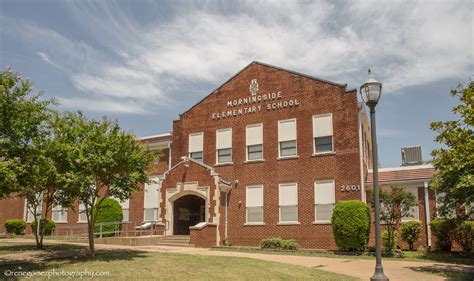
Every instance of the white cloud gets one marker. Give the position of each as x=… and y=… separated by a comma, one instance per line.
x=406, y=43
x=103, y=105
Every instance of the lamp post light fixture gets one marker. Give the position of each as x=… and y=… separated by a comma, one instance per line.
x=371, y=92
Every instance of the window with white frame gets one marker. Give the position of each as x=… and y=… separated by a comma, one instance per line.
x=254, y=142
x=196, y=146
x=152, y=200
x=439, y=204
x=224, y=145
x=323, y=133
x=414, y=211
x=324, y=200
x=254, y=204
x=125, y=208
x=287, y=138
x=29, y=214
x=82, y=213
x=59, y=214
x=288, y=202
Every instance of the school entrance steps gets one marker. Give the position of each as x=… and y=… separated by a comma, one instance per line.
x=175, y=240
x=151, y=240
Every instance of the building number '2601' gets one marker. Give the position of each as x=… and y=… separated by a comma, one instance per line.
x=348, y=188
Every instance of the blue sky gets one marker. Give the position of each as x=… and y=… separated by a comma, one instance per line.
x=144, y=62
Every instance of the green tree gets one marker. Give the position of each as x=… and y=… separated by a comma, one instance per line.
x=23, y=118
x=27, y=168
x=395, y=203
x=101, y=160
x=454, y=162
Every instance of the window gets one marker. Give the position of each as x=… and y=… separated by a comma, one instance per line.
x=125, y=208
x=29, y=215
x=413, y=215
x=254, y=204
x=196, y=156
x=82, y=213
x=287, y=148
x=324, y=200
x=196, y=146
x=439, y=204
x=152, y=201
x=254, y=142
x=287, y=138
x=224, y=146
x=322, y=133
x=59, y=214
x=288, y=202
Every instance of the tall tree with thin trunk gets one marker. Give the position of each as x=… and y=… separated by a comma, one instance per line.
x=454, y=162
x=395, y=204
x=100, y=160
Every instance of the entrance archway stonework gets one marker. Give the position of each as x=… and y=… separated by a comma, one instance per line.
x=190, y=177
x=183, y=189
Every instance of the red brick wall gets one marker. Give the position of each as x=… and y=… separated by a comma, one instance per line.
x=205, y=237
x=315, y=97
x=11, y=208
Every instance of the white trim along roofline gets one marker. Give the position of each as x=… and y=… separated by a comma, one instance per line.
x=414, y=167
x=154, y=136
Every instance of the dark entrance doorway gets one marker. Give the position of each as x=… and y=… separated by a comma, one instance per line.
x=188, y=210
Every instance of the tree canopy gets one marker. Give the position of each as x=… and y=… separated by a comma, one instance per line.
x=23, y=121
x=454, y=161
x=100, y=160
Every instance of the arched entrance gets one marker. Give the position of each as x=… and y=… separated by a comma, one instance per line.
x=188, y=210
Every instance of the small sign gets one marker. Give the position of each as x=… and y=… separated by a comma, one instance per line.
x=350, y=188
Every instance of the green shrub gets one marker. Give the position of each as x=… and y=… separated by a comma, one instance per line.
x=351, y=225
x=109, y=211
x=444, y=232
x=389, y=243
x=15, y=227
x=47, y=224
x=464, y=235
x=411, y=232
x=278, y=243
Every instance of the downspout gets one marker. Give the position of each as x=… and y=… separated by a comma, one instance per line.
x=427, y=215
x=225, y=225
x=169, y=155
x=361, y=159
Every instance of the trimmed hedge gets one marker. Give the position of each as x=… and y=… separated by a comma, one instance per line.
x=444, y=232
x=411, y=232
x=351, y=225
x=278, y=243
x=47, y=224
x=15, y=227
x=464, y=235
x=109, y=211
x=389, y=247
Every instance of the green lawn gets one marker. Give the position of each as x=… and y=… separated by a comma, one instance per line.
x=416, y=256
x=130, y=264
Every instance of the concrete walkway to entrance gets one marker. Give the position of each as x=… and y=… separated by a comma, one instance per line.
x=361, y=268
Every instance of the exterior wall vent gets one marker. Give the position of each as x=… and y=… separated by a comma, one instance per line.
x=412, y=155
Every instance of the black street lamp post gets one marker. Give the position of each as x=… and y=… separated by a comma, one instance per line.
x=371, y=92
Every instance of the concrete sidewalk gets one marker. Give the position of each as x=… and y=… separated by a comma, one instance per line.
x=361, y=268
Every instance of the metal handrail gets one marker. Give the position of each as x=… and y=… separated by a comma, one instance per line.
x=128, y=227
